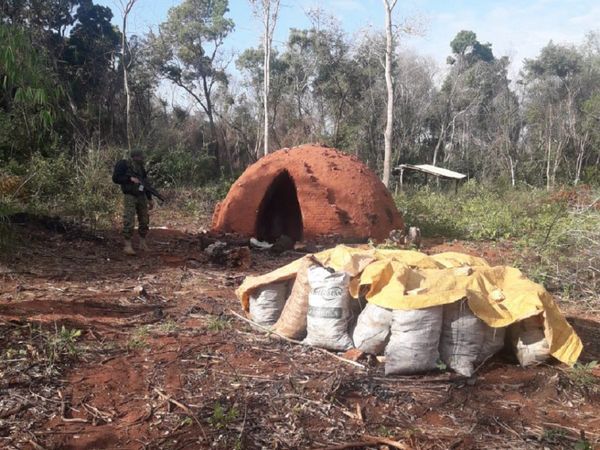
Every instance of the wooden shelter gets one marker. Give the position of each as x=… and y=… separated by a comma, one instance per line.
x=428, y=169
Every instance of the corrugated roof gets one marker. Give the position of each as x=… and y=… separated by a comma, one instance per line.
x=433, y=170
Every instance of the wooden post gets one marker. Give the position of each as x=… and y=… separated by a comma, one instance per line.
x=401, y=179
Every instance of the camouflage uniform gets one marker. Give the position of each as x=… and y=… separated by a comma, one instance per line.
x=135, y=202
x=132, y=205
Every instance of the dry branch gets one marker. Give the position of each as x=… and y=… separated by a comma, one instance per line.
x=367, y=442
x=182, y=406
x=293, y=341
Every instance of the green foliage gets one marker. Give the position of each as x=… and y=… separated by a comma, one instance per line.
x=217, y=190
x=558, y=241
x=201, y=200
x=581, y=374
x=50, y=181
x=182, y=168
x=64, y=341
x=93, y=44
x=187, y=51
x=56, y=346
x=218, y=323
x=222, y=417
x=583, y=444
x=41, y=347
x=467, y=41
x=591, y=176
x=167, y=327
x=139, y=339
x=553, y=435
x=561, y=61
x=479, y=212
x=79, y=187
x=29, y=95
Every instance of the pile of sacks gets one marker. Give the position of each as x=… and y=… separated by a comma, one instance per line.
x=415, y=309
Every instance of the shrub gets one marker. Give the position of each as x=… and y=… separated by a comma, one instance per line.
x=79, y=187
x=477, y=212
x=200, y=200
x=181, y=168
x=557, y=233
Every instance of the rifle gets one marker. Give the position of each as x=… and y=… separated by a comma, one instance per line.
x=146, y=186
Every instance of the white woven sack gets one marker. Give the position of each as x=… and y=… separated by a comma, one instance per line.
x=413, y=345
x=463, y=339
x=267, y=302
x=329, y=310
x=372, y=330
x=492, y=343
x=529, y=341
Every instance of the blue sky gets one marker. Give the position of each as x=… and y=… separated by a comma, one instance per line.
x=516, y=28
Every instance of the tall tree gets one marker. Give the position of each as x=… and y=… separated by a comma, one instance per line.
x=29, y=98
x=472, y=104
x=267, y=11
x=389, y=52
x=125, y=62
x=188, y=52
x=554, y=88
x=91, y=52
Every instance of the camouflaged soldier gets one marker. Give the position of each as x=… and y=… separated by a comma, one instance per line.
x=130, y=173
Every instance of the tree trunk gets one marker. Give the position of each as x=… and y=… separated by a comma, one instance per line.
x=438, y=145
x=580, y=157
x=211, y=121
x=269, y=10
x=267, y=71
x=126, y=12
x=513, y=178
x=387, y=155
x=548, y=150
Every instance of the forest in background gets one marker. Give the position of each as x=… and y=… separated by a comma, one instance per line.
x=63, y=120
x=62, y=96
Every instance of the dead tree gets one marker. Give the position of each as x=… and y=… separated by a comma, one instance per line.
x=387, y=169
x=267, y=11
x=127, y=7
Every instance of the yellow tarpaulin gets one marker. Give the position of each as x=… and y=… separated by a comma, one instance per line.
x=404, y=279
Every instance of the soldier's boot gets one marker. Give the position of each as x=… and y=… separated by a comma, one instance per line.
x=143, y=245
x=128, y=249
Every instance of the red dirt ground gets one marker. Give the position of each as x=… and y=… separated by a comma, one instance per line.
x=173, y=368
x=352, y=207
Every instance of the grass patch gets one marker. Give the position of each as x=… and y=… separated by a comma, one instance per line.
x=557, y=234
x=479, y=212
x=46, y=349
x=201, y=200
x=218, y=323
x=222, y=416
x=169, y=326
x=139, y=339
x=582, y=376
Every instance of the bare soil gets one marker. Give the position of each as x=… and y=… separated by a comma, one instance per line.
x=163, y=363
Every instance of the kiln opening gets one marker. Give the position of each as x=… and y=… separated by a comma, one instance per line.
x=279, y=212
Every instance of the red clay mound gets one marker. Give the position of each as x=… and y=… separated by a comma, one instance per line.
x=306, y=192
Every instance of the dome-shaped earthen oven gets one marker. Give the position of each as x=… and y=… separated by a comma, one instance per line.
x=306, y=192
